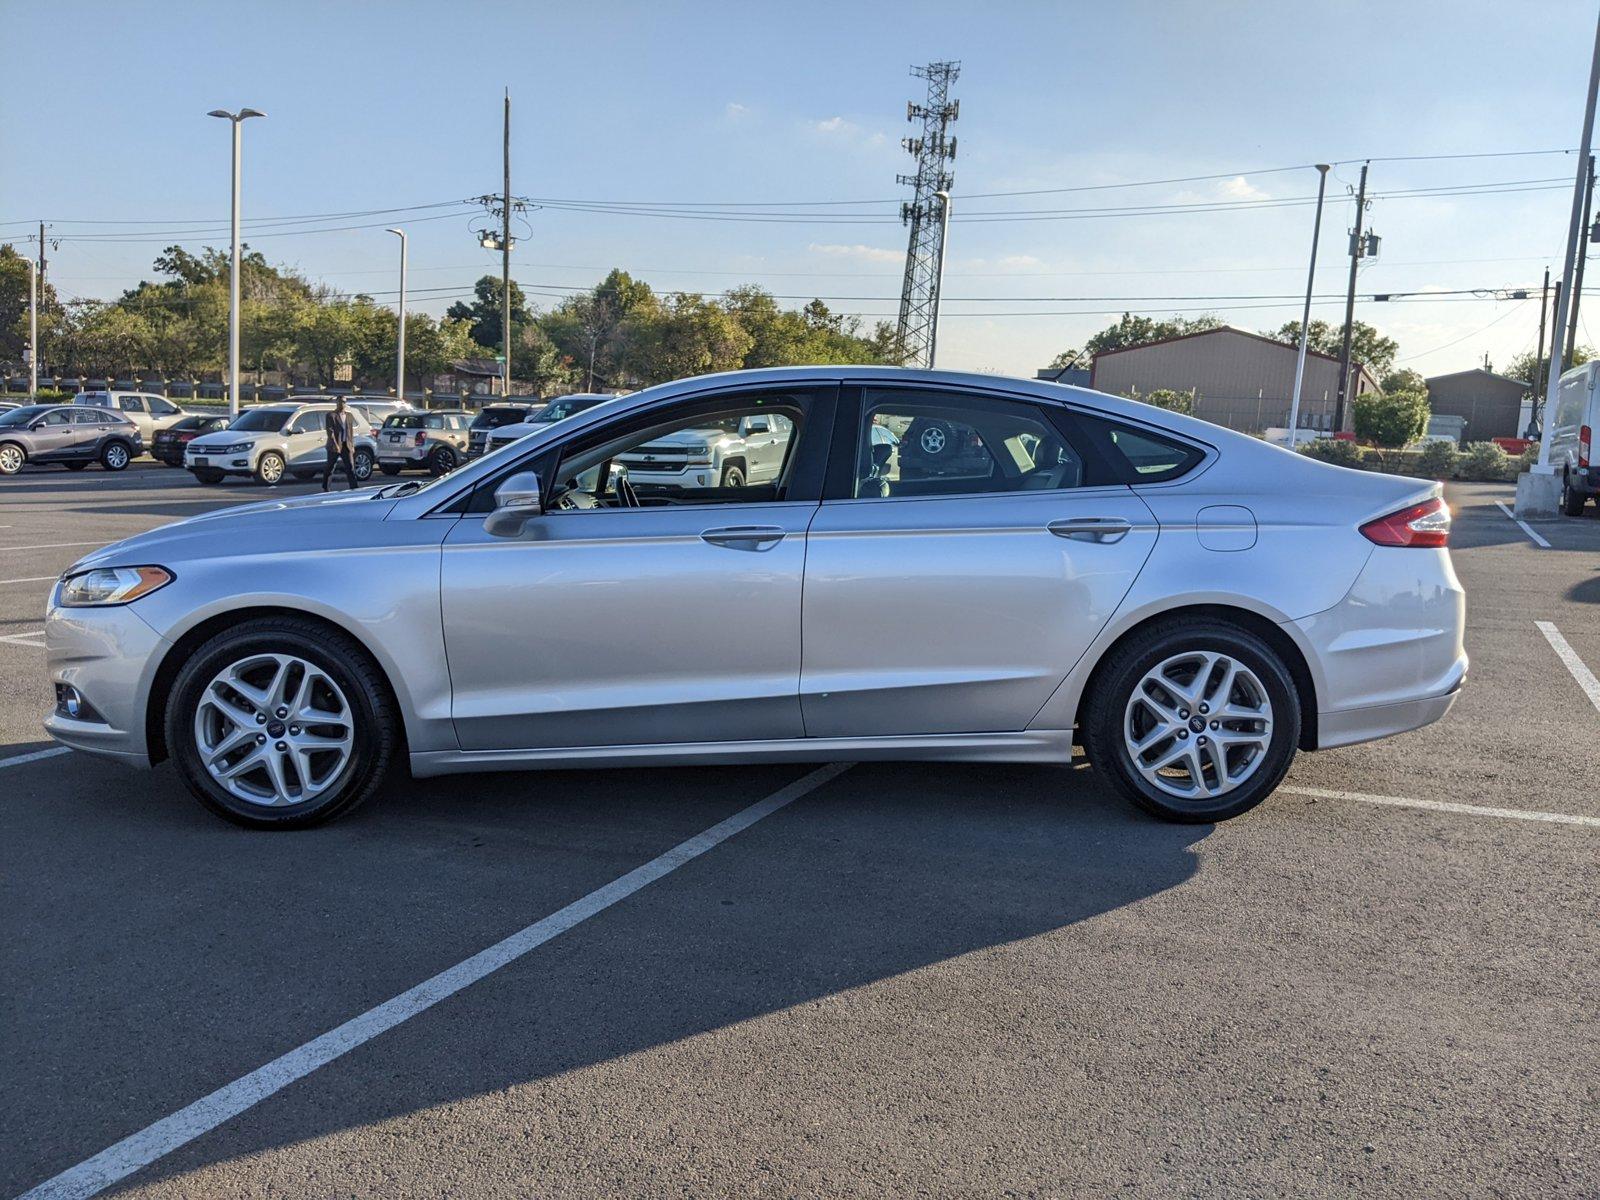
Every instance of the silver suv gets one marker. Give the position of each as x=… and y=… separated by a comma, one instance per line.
x=435, y=442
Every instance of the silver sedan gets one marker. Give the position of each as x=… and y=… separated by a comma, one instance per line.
x=946, y=567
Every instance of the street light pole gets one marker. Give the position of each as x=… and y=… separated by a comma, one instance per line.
x=33, y=330
x=1305, y=320
x=400, y=352
x=938, y=293
x=236, y=119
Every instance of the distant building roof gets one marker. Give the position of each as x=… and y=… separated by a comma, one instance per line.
x=476, y=366
x=1292, y=347
x=1480, y=373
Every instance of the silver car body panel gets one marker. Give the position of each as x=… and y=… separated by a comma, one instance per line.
x=614, y=636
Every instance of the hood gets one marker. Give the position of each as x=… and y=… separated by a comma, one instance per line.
x=284, y=523
x=218, y=438
x=693, y=438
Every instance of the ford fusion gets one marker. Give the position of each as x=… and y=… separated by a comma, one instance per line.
x=921, y=565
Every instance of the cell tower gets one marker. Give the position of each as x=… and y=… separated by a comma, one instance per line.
x=924, y=212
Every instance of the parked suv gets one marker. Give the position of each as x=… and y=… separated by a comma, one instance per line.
x=149, y=412
x=275, y=439
x=726, y=455
x=1575, y=416
x=168, y=444
x=493, y=417
x=432, y=441
x=73, y=435
x=558, y=409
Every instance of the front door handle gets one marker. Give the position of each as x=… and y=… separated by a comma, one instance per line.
x=1091, y=529
x=744, y=537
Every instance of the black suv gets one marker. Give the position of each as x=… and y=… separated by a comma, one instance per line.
x=494, y=416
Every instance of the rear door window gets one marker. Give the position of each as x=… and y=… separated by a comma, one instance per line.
x=1139, y=455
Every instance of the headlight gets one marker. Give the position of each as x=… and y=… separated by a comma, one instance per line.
x=236, y=448
x=105, y=586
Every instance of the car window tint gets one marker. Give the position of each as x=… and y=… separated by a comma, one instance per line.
x=130, y=404
x=915, y=443
x=162, y=407
x=60, y=416
x=1140, y=455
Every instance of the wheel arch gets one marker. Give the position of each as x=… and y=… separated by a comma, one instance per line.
x=1272, y=632
x=180, y=649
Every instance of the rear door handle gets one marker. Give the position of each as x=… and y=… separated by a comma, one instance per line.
x=1091, y=529
x=744, y=537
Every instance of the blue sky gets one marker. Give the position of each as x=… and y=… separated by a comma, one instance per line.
x=385, y=105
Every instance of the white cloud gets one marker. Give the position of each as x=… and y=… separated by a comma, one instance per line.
x=842, y=130
x=1018, y=261
x=1240, y=188
x=736, y=111
x=834, y=125
x=858, y=252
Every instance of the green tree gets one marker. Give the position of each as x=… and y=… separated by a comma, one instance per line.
x=483, y=313
x=1367, y=346
x=1168, y=398
x=689, y=335
x=1133, y=329
x=1402, y=379
x=14, y=285
x=1534, y=368
x=1391, y=419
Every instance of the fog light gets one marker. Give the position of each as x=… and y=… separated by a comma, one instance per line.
x=71, y=704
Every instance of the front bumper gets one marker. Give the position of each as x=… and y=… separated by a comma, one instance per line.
x=228, y=464
x=109, y=656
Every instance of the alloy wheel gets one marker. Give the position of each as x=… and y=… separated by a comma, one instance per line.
x=1198, y=725
x=116, y=457
x=274, y=730
x=11, y=460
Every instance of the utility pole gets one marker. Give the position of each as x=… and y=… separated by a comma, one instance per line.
x=400, y=351
x=1305, y=320
x=33, y=328
x=1583, y=257
x=1350, y=305
x=505, y=254
x=919, y=293
x=1538, y=358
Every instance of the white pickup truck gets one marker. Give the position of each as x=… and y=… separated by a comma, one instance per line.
x=731, y=455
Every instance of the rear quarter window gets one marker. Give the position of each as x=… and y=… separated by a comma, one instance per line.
x=1139, y=455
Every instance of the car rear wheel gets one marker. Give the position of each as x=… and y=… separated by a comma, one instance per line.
x=269, y=467
x=115, y=457
x=1193, y=721
x=12, y=456
x=1571, y=499
x=442, y=461
x=281, y=723
x=363, y=465
x=389, y=468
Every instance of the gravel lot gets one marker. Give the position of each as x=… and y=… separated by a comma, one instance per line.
x=910, y=979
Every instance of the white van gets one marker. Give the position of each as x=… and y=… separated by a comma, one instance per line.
x=1573, y=417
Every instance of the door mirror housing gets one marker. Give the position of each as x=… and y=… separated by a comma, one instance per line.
x=516, y=502
x=756, y=425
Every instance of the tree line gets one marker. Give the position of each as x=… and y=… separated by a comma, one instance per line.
x=619, y=334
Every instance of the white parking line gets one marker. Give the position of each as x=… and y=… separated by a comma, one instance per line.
x=1470, y=810
x=56, y=545
x=1569, y=658
x=1526, y=528
x=168, y=1134
x=24, y=639
x=19, y=759
x=32, y=579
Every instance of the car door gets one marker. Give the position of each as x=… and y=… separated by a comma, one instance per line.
x=54, y=437
x=953, y=593
x=132, y=407
x=163, y=414
x=604, y=625
x=306, y=439
x=90, y=426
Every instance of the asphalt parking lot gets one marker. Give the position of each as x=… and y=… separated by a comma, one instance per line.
x=900, y=979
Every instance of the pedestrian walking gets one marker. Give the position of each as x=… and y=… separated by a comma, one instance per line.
x=340, y=444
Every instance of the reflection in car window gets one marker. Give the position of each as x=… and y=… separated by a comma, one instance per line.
x=1140, y=455
x=24, y=415
x=261, y=420
x=948, y=444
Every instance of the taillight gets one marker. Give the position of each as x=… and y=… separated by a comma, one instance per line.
x=1425, y=524
x=1583, y=446
x=421, y=438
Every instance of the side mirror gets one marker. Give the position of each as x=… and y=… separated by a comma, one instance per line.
x=516, y=502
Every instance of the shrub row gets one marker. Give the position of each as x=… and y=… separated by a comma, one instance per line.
x=1479, y=462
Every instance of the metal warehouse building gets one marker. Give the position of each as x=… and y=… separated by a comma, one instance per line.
x=1240, y=379
x=1490, y=403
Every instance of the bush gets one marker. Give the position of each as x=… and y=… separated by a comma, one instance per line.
x=1391, y=418
x=1437, y=460
x=1341, y=452
x=1528, y=459
x=1484, y=462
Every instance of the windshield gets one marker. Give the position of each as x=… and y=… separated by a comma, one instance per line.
x=493, y=418
x=556, y=410
x=21, y=416
x=260, y=420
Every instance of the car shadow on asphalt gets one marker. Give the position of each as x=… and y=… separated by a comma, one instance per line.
x=886, y=870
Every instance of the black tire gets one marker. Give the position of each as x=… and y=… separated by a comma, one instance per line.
x=115, y=456
x=304, y=476
x=1572, y=500
x=77, y=466
x=377, y=742
x=733, y=476
x=442, y=461
x=207, y=475
x=1113, y=689
x=363, y=463
x=270, y=468
x=389, y=468
x=12, y=458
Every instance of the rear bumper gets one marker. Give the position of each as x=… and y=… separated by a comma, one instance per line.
x=1352, y=725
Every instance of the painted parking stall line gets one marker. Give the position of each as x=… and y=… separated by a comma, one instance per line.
x=155, y=1141
x=19, y=760
x=35, y=638
x=55, y=545
x=1445, y=806
x=1538, y=539
x=1576, y=667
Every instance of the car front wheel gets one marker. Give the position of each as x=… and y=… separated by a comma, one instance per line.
x=12, y=457
x=269, y=467
x=281, y=723
x=1193, y=721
